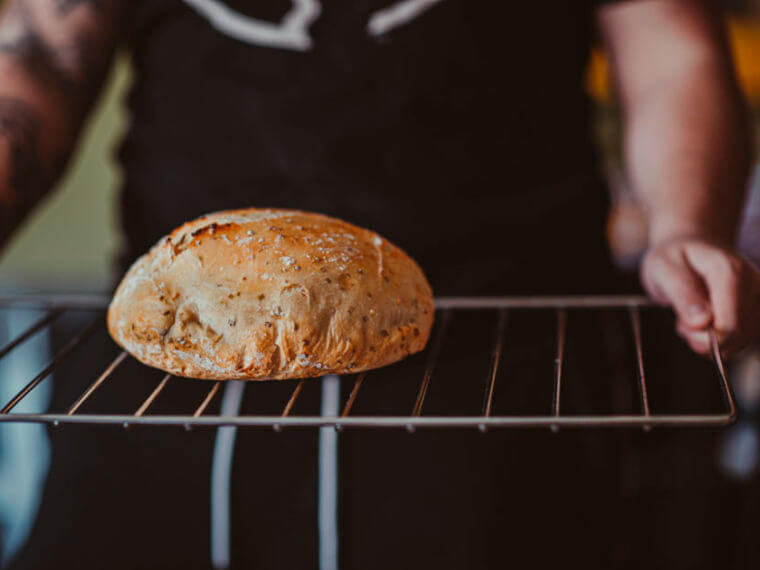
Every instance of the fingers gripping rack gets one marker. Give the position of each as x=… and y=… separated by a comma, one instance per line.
x=55, y=306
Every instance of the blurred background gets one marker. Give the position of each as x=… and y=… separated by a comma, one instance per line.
x=69, y=242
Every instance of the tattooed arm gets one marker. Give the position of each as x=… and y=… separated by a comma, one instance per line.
x=53, y=57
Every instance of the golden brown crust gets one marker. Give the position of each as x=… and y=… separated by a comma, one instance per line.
x=271, y=294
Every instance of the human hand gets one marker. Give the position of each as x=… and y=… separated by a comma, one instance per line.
x=707, y=286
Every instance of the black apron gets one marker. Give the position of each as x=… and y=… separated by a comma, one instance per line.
x=463, y=135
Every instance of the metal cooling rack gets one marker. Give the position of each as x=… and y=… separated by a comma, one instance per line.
x=56, y=305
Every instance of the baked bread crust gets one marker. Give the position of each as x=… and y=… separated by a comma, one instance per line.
x=271, y=294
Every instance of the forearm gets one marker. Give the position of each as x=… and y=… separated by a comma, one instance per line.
x=52, y=59
x=34, y=141
x=688, y=153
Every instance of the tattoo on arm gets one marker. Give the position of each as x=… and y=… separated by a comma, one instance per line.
x=66, y=6
x=25, y=176
x=73, y=68
x=65, y=68
x=20, y=130
x=34, y=55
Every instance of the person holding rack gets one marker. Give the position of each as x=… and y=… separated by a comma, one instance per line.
x=458, y=129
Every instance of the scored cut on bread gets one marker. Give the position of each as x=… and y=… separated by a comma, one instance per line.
x=271, y=294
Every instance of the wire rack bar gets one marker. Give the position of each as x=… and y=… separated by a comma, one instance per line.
x=728, y=394
x=36, y=326
x=580, y=421
x=558, y=361
x=67, y=301
x=495, y=360
x=354, y=393
x=98, y=381
x=291, y=402
x=642, y=381
x=351, y=398
x=153, y=395
x=293, y=398
x=204, y=404
x=517, y=302
x=207, y=400
x=433, y=356
x=569, y=302
x=34, y=382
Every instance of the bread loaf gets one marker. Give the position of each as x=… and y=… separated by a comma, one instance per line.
x=271, y=294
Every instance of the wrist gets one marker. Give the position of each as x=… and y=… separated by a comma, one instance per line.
x=663, y=229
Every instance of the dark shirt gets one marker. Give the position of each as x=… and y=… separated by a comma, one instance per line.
x=463, y=135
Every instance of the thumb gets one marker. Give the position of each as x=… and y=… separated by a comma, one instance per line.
x=674, y=282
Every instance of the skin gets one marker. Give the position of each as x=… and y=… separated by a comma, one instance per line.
x=687, y=149
x=53, y=58
x=688, y=153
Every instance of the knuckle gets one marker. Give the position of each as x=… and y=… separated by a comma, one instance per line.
x=720, y=263
x=732, y=271
x=732, y=266
x=733, y=280
x=673, y=254
x=659, y=276
x=684, y=285
x=655, y=264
